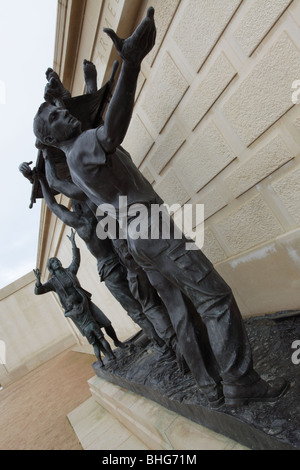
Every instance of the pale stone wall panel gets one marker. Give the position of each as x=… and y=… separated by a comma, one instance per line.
x=212, y=248
x=288, y=189
x=206, y=156
x=213, y=201
x=249, y=225
x=211, y=86
x=164, y=11
x=267, y=278
x=257, y=21
x=138, y=141
x=171, y=190
x=171, y=142
x=201, y=24
x=265, y=95
x=258, y=166
x=148, y=175
x=164, y=92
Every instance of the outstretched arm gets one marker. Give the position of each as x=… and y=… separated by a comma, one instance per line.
x=65, y=187
x=132, y=50
x=74, y=266
x=66, y=216
x=40, y=288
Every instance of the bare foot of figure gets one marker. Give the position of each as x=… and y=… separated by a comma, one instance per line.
x=90, y=76
x=58, y=90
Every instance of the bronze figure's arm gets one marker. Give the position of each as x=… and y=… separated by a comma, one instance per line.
x=74, y=266
x=40, y=288
x=66, y=187
x=132, y=50
x=64, y=214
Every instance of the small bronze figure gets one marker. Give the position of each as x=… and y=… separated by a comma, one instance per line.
x=77, y=303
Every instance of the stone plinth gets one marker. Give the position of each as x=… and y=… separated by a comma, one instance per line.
x=146, y=421
x=259, y=426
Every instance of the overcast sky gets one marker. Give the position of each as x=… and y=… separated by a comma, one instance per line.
x=27, y=38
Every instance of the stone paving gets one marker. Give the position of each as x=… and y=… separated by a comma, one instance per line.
x=34, y=413
x=34, y=409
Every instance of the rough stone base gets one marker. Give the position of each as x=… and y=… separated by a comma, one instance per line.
x=259, y=426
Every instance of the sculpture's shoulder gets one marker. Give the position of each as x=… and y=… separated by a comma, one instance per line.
x=86, y=150
x=85, y=142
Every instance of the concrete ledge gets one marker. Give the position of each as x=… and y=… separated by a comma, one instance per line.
x=13, y=287
x=97, y=429
x=115, y=419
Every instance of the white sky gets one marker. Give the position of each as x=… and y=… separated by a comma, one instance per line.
x=27, y=38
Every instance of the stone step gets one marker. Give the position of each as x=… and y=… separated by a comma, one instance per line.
x=115, y=418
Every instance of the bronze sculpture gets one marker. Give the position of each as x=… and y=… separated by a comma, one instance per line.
x=83, y=220
x=148, y=311
x=77, y=303
x=104, y=171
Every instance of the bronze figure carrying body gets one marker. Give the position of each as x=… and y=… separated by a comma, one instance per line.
x=77, y=303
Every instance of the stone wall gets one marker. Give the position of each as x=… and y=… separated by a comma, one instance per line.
x=217, y=126
x=32, y=328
